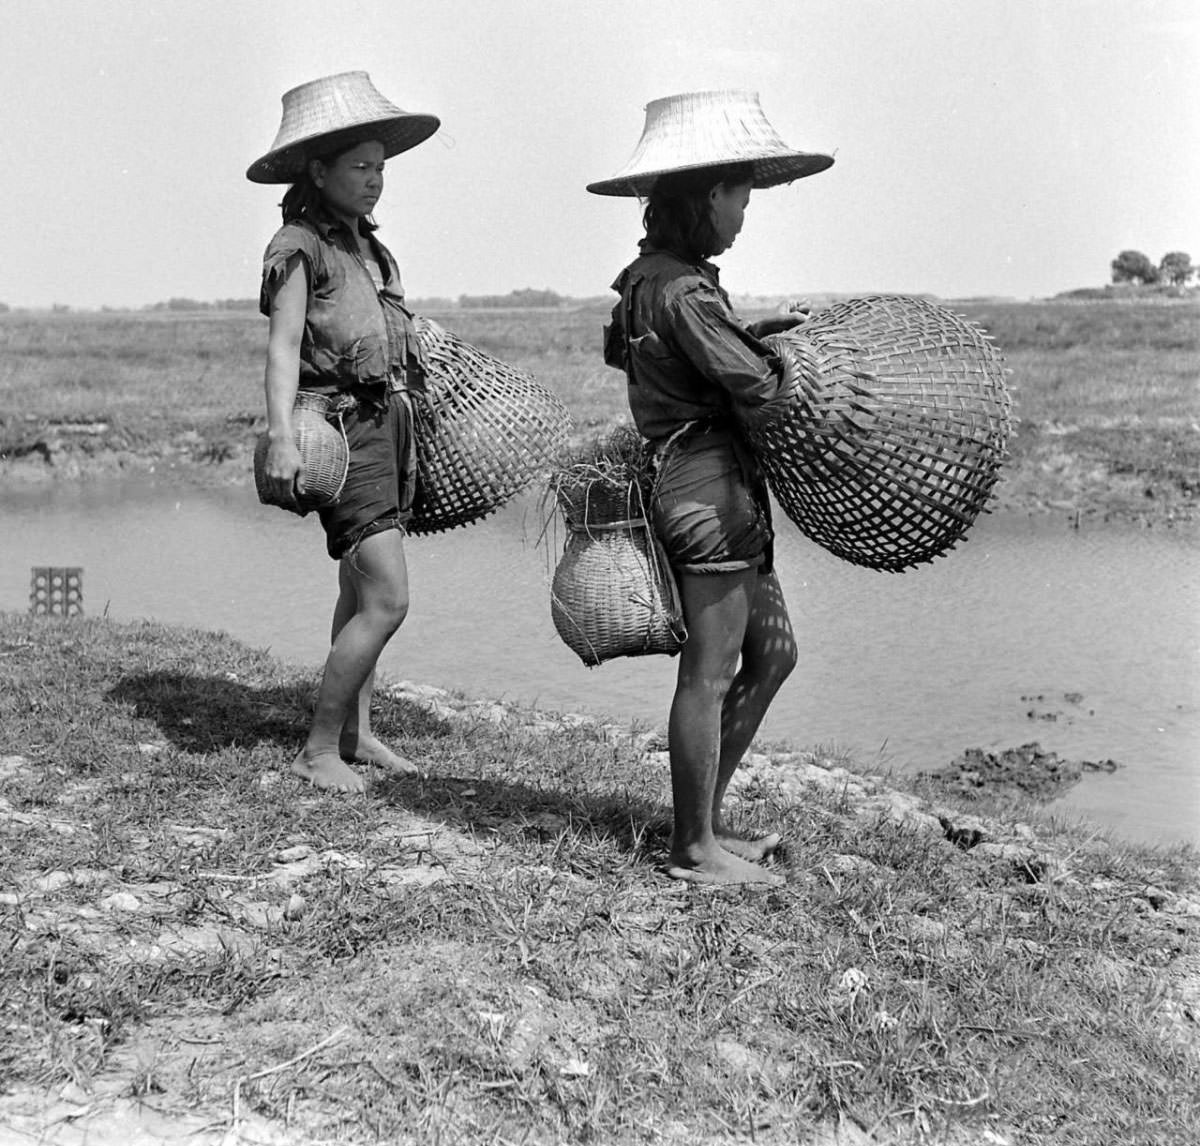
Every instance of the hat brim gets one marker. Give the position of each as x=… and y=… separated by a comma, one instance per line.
x=769, y=171
x=396, y=133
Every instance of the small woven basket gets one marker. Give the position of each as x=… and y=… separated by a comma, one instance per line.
x=610, y=598
x=613, y=593
x=887, y=438
x=493, y=431
x=321, y=440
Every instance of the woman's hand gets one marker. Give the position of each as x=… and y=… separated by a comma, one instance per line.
x=285, y=472
x=795, y=313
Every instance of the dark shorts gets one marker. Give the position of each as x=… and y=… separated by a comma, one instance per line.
x=710, y=507
x=378, y=437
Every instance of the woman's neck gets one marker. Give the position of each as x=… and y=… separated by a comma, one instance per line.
x=351, y=221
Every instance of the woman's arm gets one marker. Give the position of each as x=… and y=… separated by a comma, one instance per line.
x=728, y=354
x=289, y=306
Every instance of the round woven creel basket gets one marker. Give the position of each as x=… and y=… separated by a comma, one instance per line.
x=321, y=442
x=494, y=429
x=887, y=438
x=612, y=596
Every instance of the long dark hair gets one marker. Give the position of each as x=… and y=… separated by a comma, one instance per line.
x=677, y=216
x=303, y=199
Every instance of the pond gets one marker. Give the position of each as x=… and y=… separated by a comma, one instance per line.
x=1086, y=640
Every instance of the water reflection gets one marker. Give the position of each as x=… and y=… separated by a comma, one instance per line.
x=1085, y=640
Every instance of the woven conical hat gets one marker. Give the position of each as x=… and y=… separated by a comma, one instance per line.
x=709, y=129
x=319, y=115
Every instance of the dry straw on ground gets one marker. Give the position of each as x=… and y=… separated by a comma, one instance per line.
x=195, y=944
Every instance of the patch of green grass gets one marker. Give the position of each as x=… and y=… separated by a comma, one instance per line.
x=491, y=954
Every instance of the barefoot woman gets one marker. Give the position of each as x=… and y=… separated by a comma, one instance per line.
x=690, y=363
x=338, y=325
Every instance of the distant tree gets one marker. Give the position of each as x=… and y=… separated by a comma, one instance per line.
x=1176, y=268
x=4, y=308
x=1133, y=267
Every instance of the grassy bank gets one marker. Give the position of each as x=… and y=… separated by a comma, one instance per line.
x=1106, y=392
x=194, y=943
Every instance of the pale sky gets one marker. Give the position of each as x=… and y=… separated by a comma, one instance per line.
x=984, y=147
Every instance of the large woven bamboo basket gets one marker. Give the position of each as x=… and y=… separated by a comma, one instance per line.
x=321, y=441
x=494, y=430
x=887, y=441
x=613, y=593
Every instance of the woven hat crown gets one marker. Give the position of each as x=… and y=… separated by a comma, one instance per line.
x=709, y=129
x=322, y=114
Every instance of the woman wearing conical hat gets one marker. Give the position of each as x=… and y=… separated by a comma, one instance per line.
x=690, y=363
x=339, y=326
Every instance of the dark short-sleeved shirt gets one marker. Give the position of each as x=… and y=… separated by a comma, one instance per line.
x=356, y=333
x=686, y=355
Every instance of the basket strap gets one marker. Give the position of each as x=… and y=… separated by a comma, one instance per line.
x=337, y=416
x=608, y=526
x=664, y=574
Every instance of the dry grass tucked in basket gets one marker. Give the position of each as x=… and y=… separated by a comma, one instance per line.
x=888, y=438
x=613, y=594
x=605, y=480
x=494, y=431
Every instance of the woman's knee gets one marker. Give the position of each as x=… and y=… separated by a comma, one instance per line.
x=393, y=609
x=380, y=578
x=712, y=680
x=784, y=661
x=770, y=641
x=775, y=658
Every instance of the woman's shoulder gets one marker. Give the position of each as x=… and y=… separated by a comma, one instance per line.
x=666, y=274
x=693, y=289
x=294, y=237
x=294, y=243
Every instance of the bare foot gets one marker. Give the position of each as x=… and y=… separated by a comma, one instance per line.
x=328, y=771
x=721, y=867
x=368, y=750
x=754, y=850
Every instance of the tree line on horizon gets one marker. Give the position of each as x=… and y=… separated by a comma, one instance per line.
x=526, y=297
x=1174, y=268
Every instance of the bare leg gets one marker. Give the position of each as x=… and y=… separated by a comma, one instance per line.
x=768, y=657
x=372, y=604
x=717, y=608
x=357, y=741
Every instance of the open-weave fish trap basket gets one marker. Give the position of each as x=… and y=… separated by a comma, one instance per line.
x=321, y=441
x=886, y=441
x=613, y=593
x=494, y=429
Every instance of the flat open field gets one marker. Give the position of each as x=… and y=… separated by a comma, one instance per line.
x=1106, y=393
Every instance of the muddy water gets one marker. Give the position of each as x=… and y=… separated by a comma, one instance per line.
x=1086, y=640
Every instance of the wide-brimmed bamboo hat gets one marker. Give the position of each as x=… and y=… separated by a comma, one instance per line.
x=319, y=116
x=708, y=129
